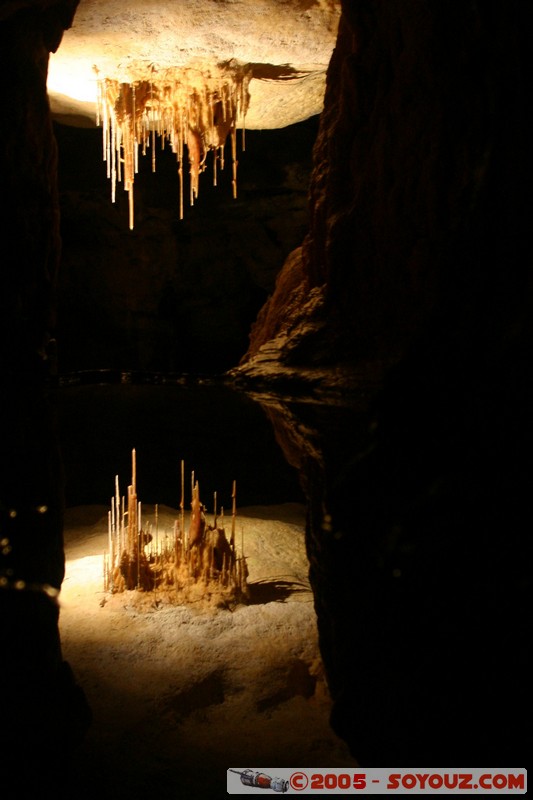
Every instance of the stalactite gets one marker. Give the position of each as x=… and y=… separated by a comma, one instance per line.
x=189, y=108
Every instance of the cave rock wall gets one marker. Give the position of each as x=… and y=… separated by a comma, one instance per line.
x=40, y=693
x=418, y=257
x=418, y=191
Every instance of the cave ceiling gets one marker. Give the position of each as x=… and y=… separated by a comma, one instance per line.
x=285, y=46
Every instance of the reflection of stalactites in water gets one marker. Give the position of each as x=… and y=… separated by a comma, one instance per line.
x=191, y=108
x=200, y=564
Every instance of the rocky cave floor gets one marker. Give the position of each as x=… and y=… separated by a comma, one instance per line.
x=180, y=693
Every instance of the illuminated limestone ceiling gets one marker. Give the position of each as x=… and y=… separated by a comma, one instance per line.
x=286, y=46
x=190, y=72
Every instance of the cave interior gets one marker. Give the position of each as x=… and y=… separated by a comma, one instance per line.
x=368, y=294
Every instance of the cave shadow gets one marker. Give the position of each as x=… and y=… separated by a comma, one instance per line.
x=274, y=590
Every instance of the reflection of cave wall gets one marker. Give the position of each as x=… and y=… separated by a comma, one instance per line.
x=416, y=269
x=174, y=295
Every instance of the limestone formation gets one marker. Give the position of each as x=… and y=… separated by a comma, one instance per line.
x=286, y=45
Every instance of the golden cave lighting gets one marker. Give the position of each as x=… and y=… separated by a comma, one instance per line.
x=192, y=110
x=191, y=563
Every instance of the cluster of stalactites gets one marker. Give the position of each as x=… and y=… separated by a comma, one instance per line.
x=188, y=109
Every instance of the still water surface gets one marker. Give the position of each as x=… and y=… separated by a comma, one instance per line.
x=219, y=432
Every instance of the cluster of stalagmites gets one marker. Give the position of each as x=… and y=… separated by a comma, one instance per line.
x=191, y=563
x=187, y=108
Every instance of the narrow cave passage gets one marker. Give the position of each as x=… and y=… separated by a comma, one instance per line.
x=148, y=321
x=415, y=273
x=174, y=295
